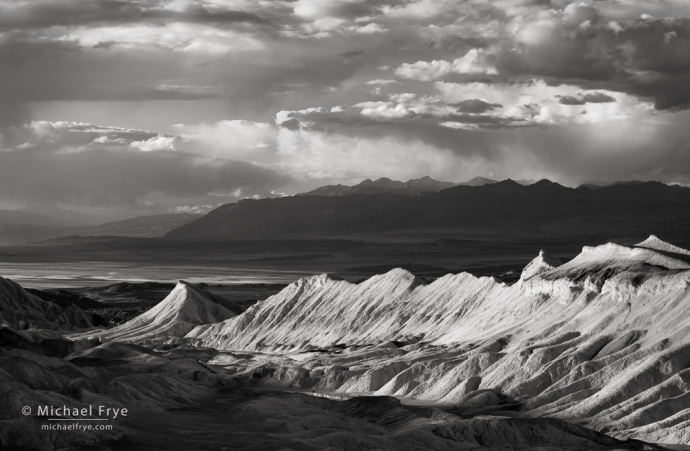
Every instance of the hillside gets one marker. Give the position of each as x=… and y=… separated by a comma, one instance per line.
x=599, y=341
x=507, y=207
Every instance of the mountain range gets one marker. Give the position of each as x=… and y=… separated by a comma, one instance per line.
x=382, y=185
x=386, y=185
x=506, y=207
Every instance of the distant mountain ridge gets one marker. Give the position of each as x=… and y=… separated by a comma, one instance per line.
x=414, y=186
x=507, y=206
x=382, y=185
x=17, y=227
x=64, y=217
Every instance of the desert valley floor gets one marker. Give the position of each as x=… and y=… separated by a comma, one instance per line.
x=591, y=352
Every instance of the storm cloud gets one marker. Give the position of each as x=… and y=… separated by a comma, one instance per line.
x=168, y=103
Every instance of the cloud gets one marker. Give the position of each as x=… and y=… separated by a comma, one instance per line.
x=157, y=143
x=475, y=106
x=371, y=28
x=193, y=209
x=536, y=102
x=176, y=36
x=473, y=62
x=47, y=13
x=269, y=95
x=464, y=146
x=378, y=81
x=233, y=139
x=84, y=164
x=594, y=97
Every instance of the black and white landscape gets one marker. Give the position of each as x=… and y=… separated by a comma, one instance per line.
x=349, y=225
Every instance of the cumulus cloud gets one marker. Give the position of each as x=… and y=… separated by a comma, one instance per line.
x=157, y=143
x=537, y=102
x=473, y=62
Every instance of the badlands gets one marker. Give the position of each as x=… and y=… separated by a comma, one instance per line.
x=586, y=354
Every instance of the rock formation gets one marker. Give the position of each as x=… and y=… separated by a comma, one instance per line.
x=20, y=310
x=184, y=308
x=601, y=340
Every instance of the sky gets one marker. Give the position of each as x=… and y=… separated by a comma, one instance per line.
x=182, y=105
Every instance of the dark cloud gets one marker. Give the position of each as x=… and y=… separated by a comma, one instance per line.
x=570, y=100
x=291, y=124
x=642, y=57
x=38, y=70
x=596, y=97
x=48, y=13
x=475, y=106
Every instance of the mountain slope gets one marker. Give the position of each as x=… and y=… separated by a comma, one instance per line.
x=504, y=206
x=185, y=307
x=601, y=340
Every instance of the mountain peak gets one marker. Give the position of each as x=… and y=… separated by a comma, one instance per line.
x=480, y=181
x=184, y=308
x=542, y=263
x=655, y=243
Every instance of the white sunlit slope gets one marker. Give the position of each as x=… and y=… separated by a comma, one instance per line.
x=184, y=308
x=603, y=339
